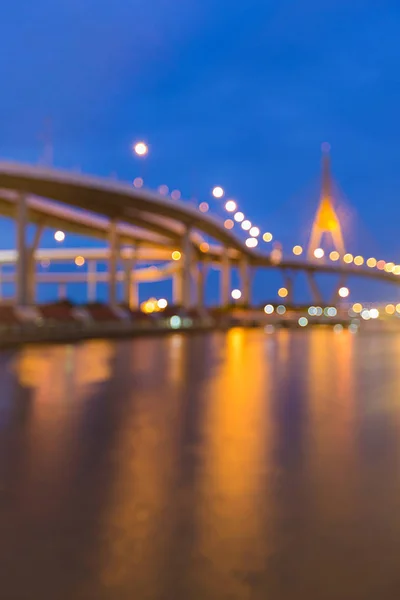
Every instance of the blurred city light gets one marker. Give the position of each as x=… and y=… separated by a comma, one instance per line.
x=218, y=192
x=246, y=225
x=59, y=236
x=204, y=207
x=79, y=261
x=163, y=190
x=140, y=148
x=236, y=294
x=230, y=206
x=254, y=231
x=138, y=182
x=175, y=322
x=268, y=309
x=344, y=292
x=319, y=253
x=267, y=237
x=348, y=258
x=176, y=255
x=162, y=303
x=297, y=250
x=283, y=292
x=239, y=216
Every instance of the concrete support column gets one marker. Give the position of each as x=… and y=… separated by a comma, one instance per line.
x=200, y=278
x=91, y=281
x=134, y=302
x=22, y=255
x=131, y=291
x=177, y=288
x=187, y=258
x=113, y=263
x=245, y=280
x=31, y=260
x=225, y=279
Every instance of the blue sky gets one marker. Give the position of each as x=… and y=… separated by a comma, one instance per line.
x=240, y=94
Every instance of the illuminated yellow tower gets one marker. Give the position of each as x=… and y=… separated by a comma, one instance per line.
x=326, y=220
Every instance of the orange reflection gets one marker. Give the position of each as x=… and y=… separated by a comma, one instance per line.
x=332, y=443
x=235, y=498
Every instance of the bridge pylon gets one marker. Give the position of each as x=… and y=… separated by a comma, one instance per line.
x=326, y=220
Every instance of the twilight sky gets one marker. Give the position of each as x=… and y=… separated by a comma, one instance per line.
x=240, y=94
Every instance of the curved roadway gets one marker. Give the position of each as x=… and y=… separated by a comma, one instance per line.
x=149, y=210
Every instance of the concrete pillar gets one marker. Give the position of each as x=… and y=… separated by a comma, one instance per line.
x=131, y=290
x=245, y=281
x=201, y=270
x=113, y=263
x=22, y=255
x=31, y=274
x=91, y=281
x=31, y=264
x=225, y=279
x=134, y=301
x=187, y=257
x=177, y=288
x=1, y=283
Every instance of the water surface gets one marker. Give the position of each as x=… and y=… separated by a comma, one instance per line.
x=233, y=465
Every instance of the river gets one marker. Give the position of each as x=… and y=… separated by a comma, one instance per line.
x=235, y=465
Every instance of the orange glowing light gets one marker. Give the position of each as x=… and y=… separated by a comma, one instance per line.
x=348, y=258
x=334, y=255
x=204, y=247
x=283, y=292
x=79, y=261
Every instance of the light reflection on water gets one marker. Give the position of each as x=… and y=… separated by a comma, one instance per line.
x=238, y=465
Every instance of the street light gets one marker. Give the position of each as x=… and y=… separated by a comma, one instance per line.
x=218, y=191
x=141, y=149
